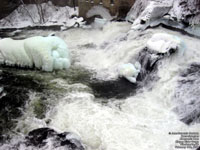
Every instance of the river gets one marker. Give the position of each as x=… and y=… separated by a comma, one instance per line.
x=141, y=119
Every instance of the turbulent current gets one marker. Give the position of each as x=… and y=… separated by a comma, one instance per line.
x=166, y=100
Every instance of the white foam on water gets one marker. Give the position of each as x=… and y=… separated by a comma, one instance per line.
x=139, y=122
x=142, y=121
x=109, y=48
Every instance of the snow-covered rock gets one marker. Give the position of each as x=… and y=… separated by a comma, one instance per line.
x=144, y=9
x=163, y=42
x=129, y=71
x=182, y=14
x=46, y=53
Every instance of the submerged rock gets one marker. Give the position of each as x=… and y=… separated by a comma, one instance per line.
x=120, y=88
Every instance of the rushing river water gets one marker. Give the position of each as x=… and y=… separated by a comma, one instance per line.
x=167, y=100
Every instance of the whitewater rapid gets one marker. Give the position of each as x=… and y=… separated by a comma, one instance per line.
x=141, y=121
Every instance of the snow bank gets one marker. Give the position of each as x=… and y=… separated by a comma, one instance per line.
x=162, y=42
x=46, y=53
x=129, y=71
x=31, y=15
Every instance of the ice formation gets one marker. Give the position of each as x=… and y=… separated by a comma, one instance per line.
x=129, y=71
x=46, y=53
x=101, y=11
x=163, y=42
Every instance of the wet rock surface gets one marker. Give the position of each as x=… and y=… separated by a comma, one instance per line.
x=40, y=137
x=45, y=138
x=149, y=60
x=187, y=96
x=120, y=88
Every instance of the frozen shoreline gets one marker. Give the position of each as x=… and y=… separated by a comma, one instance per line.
x=49, y=15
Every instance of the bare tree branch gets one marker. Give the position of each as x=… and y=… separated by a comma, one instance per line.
x=27, y=11
x=40, y=11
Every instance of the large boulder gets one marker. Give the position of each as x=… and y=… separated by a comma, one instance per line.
x=41, y=136
x=158, y=47
x=181, y=14
x=46, y=138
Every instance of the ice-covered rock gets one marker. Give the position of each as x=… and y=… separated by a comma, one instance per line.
x=129, y=71
x=46, y=53
x=152, y=12
x=181, y=14
x=159, y=46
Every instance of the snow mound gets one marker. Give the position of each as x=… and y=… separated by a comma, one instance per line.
x=46, y=53
x=163, y=42
x=129, y=71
